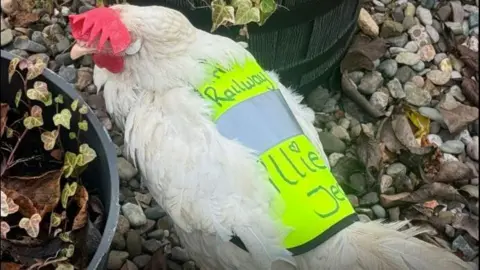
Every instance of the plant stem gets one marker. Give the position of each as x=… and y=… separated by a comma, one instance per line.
x=12, y=154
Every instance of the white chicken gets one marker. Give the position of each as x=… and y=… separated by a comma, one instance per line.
x=150, y=62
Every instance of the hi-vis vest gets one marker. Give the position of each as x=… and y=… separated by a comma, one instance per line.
x=249, y=107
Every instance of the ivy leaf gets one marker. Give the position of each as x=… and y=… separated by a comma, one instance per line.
x=4, y=229
x=72, y=135
x=245, y=12
x=68, y=191
x=67, y=252
x=8, y=206
x=69, y=163
x=55, y=219
x=64, y=266
x=59, y=99
x=65, y=237
x=40, y=92
x=63, y=118
x=12, y=66
x=74, y=105
x=268, y=6
x=31, y=225
x=36, y=69
x=83, y=125
x=83, y=109
x=35, y=119
x=9, y=133
x=221, y=14
x=86, y=155
x=49, y=138
x=18, y=97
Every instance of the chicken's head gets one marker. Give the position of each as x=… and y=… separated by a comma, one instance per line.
x=115, y=35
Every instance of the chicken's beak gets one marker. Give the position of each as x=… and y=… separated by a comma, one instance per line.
x=78, y=51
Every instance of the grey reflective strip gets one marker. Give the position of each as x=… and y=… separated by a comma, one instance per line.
x=260, y=122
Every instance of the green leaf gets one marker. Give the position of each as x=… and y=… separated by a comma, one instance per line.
x=221, y=14
x=36, y=69
x=9, y=133
x=49, y=138
x=69, y=163
x=268, y=6
x=83, y=125
x=65, y=237
x=18, y=97
x=59, y=99
x=74, y=105
x=55, y=219
x=68, y=191
x=31, y=225
x=63, y=118
x=35, y=119
x=246, y=13
x=83, y=109
x=40, y=92
x=64, y=265
x=86, y=155
x=12, y=67
x=68, y=252
x=72, y=135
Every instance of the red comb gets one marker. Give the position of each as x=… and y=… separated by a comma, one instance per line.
x=103, y=22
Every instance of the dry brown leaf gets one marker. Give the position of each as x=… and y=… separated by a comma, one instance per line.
x=387, y=136
x=369, y=152
x=81, y=198
x=452, y=171
x=362, y=53
x=424, y=193
x=158, y=261
x=129, y=265
x=469, y=191
x=403, y=132
x=469, y=57
x=459, y=117
x=23, y=18
x=10, y=266
x=470, y=90
x=3, y=117
x=25, y=205
x=44, y=190
x=466, y=222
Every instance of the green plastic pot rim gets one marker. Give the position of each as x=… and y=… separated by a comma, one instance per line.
x=110, y=153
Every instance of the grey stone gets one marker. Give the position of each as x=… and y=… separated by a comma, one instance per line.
x=454, y=147
x=379, y=100
x=444, y=12
x=456, y=27
x=388, y=68
x=409, y=9
x=340, y=132
x=123, y=225
x=69, y=74
x=358, y=182
x=379, y=211
x=142, y=260
x=353, y=200
x=404, y=74
x=331, y=144
x=420, y=66
x=439, y=77
x=398, y=41
x=419, y=34
x=386, y=182
x=431, y=113
x=134, y=214
x=391, y=29
x=155, y=212
x=424, y=15
x=118, y=241
x=433, y=33
x=411, y=46
x=63, y=59
x=461, y=244
x=151, y=245
x=396, y=89
x=126, y=171
x=23, y=43
x=356, y=76
x=129, y=265
x=316, y=99
x=37, y=37
x=179, y=254
x=396, y=169
x=370, y=83
x=416, y=96
x=457, y=11
x=407, y=58
x=408, y=22
x=63, y=45
x=473, y=19
x=369, y=199
x=394, y=213
x=6, y=37
x=116, y=259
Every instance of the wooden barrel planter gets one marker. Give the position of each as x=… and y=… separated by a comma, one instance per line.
x=304, y=40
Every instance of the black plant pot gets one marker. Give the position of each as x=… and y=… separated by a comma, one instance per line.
x=101, y=175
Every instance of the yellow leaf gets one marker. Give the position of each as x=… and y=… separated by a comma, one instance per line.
x=421, y=122
x=18, y=97
x=31, y=225
x=36, y=69
x=221, y=14
x=74, y=105
x=55, y=219
x=12, y=67
x=69, y=164
x=83, y=109
x=63, y=118
x=68, y=191
x=83, y=125
x=87, y=153
x=59, y=99
x=40, y=92
x=49, y=138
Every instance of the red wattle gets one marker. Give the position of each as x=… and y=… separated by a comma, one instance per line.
x=114, y=64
